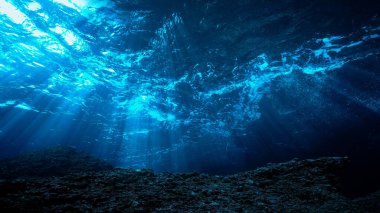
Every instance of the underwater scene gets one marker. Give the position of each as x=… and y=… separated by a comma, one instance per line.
x=190, y=106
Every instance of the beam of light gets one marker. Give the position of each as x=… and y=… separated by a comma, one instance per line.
x=136, y=101
x=14, y=14
x=69, y=37
x=25, y=106
x=19, y=18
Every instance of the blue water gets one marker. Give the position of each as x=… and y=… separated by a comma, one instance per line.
x=190, y=85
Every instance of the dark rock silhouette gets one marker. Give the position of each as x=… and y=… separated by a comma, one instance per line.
x=58, y=161
x=64, y=180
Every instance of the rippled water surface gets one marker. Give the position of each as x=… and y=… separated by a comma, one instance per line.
x=211, y=86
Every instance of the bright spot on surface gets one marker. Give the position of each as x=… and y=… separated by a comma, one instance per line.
x=12, y=12
x=110, y=70
x=70, y=38
x=74, y=4
x=161, y=116
x=33, y=6
x=139, y=132
x=38, y=64
x=7, y=103
x=29, y=47
x=56, y=48
x=67, y=35
x=44, y=16
x=24, y=106
x=38, y=34
x=144, y=97
x=58, y=29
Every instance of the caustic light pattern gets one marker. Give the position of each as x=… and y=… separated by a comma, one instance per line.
x=67, y=57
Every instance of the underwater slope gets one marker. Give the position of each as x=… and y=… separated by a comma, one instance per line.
x=57, y=161
x=214, y=86
x=294, y=186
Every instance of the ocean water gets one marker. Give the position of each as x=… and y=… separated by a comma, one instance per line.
x=213, y=86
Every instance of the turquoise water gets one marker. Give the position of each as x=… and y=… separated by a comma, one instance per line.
x=146, y=84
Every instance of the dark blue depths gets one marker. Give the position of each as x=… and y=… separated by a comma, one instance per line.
x=211, y=86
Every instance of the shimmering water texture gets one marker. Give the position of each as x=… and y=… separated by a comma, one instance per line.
x=65, y=62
